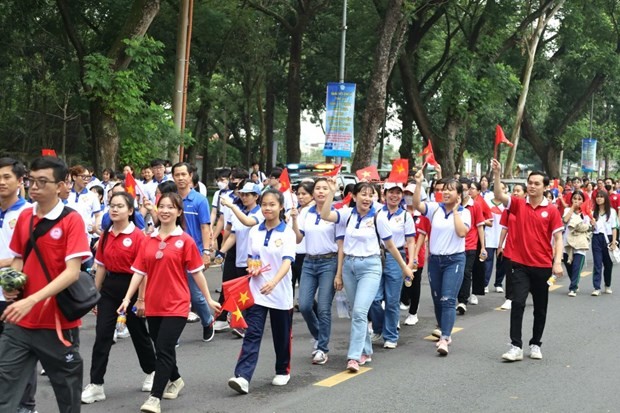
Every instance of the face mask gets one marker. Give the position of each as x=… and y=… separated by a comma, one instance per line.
x=222, y=185
x=409, y=199
x=232, y=185
x=168, y=170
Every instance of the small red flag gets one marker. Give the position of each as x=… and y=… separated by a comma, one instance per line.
x=237, y=320
x=500, y=137
x=285, y=181
x=428, y=150
x=430, y=159
x=49, y=152
x=238, y=294
x=400, y=171
x=333, y=172
x=345, y=202
x=369, y=173
x=130, y=184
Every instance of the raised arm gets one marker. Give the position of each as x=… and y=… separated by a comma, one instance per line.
x=417, y=202
x=497, y=187
x=326, y=212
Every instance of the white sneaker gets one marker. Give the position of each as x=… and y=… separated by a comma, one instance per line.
x=473, y=300
x=173, y=388
x=147, y=384
x=507, y=305
x=281, y=379
x=151, y=405
x=93, y=393
x=239, y=384
x=514, y=354
x=375, y=338
x=596, y=293
x=221, y=325
x=398, y=325
x=404, y=307
x=499, y=289
x=193, y=317
x=461, y=308
x=411, y=320
x=319, y=357
x=572, y=293
x=535, y=352
x=390, y=345
x=123, y=333
x=436, y=332
x=486, y=290
x=608, y=290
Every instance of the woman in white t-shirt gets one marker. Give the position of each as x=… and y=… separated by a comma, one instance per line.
x=450, y=223
x=364, y=229
x=271, y=243
x=604, y=239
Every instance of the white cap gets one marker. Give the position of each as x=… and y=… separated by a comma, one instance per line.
x=389, y=185
x=250, y=188
x=410, y=188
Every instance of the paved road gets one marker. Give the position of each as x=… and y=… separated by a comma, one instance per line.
x=579, y=372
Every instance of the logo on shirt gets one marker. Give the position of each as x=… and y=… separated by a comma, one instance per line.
x=127, y=242
x=12, y=223
x=370, y=224
x=56, y=233
x=179, y=244
x=544, y=214
x=398, y=220
x=278, y=242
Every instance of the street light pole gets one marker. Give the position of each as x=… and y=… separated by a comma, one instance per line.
x=343, y=40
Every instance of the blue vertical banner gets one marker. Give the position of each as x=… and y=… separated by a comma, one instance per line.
x=339, y=118
x=588, y=155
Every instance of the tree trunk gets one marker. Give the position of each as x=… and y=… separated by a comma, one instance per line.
x=293, y=104
x=104, y=127
x=262, y=139
x=406, y=137
x=270, y=113
x=390, y=39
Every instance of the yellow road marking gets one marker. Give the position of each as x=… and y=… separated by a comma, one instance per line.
x=341, y=377
x=433, y=338
x=555, y=287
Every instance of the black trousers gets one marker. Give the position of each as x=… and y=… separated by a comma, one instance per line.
x=411, y=295
x=478, y=275
x=507, y=264
x=296, y=269
x=21, y=348
x=165, y=332
x=465, y=291
x=527, y=280
x=113, y=291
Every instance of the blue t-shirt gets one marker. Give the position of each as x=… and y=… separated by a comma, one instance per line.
x=196, y=212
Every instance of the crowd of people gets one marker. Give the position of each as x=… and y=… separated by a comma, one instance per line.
x=148, y=251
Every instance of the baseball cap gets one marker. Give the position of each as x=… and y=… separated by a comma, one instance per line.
x=389, y=185
x=410, y=188
x=250, y=188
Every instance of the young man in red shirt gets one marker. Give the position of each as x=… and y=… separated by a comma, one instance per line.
x=534, y=260
x=30, y=333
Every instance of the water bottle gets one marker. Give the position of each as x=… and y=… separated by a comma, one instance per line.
x=121, y=321
x=483, y=256
x=551, y=281
x=408, y=281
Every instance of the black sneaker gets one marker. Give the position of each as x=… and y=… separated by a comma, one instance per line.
x=208, y=333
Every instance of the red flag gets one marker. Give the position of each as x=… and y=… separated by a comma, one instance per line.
x=130, y=184
x=237, y=320
x=49, y=152
x=430, y=159
x=428, y=150
x=369, y=173
x=285, y=181
x=400, y=171
x=238, y=294
x=333, y=172
x=500, y=137
x=345, y=202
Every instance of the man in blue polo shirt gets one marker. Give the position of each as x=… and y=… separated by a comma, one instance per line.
x=198, y=226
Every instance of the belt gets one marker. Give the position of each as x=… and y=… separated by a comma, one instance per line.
x=110, y=274
x=321, y=256
x=357, y=257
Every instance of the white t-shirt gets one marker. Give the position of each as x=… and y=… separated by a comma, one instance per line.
x=241, y=235
x=443, y=238
x=360, y=237
x=273, y=247
x=8, y=220
x=492, y=233
x=402, y=226
x=606, y=226
x=86, y=204
x=319, y=235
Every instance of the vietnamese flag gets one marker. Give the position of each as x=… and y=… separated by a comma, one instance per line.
x=285, y=181
x=500, y=137
x=237, y=320
x=237, y=293
x=345, y=202
x=369, y=173
x=400, y=171
x=130, y=184
x=48, y=152
x=333, y=172
x=428, y=150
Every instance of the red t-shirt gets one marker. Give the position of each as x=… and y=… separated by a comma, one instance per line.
x=614, y=199
x=477, y=219
x=167, y=290
x=120, y=250
x=533, y=231
x=66, y=240
x=507, y=221
x=422, y=226
x=484, y=207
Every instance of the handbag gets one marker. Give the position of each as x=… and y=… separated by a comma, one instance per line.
x=615, y=253
x=79, y=298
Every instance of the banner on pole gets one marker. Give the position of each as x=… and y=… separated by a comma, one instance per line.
x=588, y=155
x=339, y=117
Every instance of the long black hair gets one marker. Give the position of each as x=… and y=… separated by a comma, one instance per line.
x=606, y=205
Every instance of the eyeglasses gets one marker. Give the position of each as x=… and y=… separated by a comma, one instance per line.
x=160, y=250
x=40, y=182
x=85, y=177
x=117, y=206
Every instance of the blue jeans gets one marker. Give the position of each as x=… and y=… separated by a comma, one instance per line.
x=318, y=275
x=199, y=302
x=600, y=255
x=574, y=270
x=361, y=277
x=386, y=321
x=445, y=274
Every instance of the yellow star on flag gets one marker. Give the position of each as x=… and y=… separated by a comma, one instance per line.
x=400, y=169
x=237, y=314
x=365, y=174
x=243, y=297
